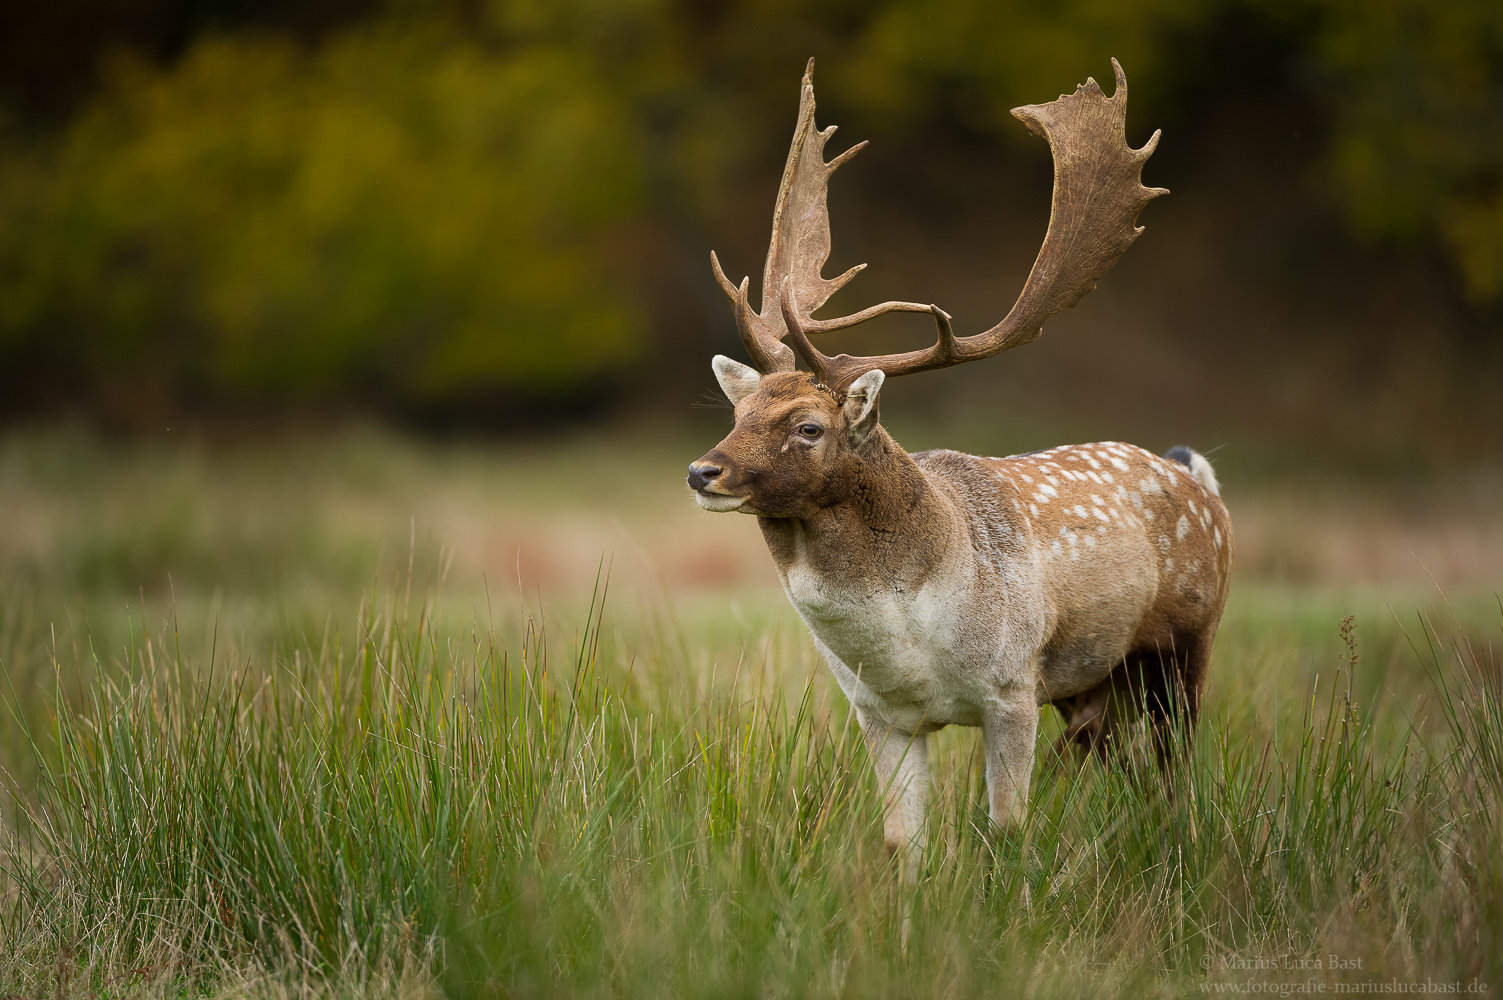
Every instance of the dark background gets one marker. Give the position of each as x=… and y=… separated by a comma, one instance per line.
x=495, y=217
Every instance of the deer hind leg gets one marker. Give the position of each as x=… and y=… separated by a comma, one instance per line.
x=1162, y=684
x=1095, y=719
x=1194, y=665
x=1176, y=702
x=1166, y=684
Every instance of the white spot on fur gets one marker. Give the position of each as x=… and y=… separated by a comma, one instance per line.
x=1099, y=514
x=1056, y=548
x=1090, y=541
x=1163, y=543
x=1048, y=491
x=1092, y=462
x=1121, y=465
x=1137, y=499
x=1025, y=476
x=1097, y=500
x=1169, y=565
x=1183, y=528
x=1094, y=477
x=1218, y=538
x=1033, y=509
x=1080, y=511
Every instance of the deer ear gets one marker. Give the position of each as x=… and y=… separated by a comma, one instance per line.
x=736, y=380
x=861, y=406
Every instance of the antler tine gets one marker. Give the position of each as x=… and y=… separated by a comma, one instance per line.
x=767, y=352
x=817, y=362
x=1098, y=193
x=837, y=372
x=799, y=247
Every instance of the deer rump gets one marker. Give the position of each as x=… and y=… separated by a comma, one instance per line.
x=945, y=588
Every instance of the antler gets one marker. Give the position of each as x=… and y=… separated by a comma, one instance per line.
x=799, y=248
x=1098, y=193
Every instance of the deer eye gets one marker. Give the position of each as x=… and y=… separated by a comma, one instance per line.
x=810, y=431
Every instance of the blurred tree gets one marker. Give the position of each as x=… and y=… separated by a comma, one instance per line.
x=398, y=213
x=1416, y=90
x=452, y=201
x=50, y=52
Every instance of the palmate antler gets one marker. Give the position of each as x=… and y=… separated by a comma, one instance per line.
x=799, y=248
x=1098, y=193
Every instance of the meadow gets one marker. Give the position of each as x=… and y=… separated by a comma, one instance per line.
x=347, y=713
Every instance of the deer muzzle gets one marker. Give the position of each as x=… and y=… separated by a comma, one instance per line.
x=707, y=479
x=702, y=474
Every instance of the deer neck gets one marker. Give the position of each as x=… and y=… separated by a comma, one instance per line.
x=886, y=525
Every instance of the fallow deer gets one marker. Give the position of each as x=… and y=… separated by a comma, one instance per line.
x=950, y=589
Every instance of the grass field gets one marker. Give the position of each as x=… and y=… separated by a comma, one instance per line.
x=352, y=714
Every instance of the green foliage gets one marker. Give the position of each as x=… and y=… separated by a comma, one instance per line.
x=399, y=210
x=453, y=200
x=1417, y=149
x=978, y=60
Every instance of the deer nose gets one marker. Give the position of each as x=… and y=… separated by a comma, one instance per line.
x=701, y=476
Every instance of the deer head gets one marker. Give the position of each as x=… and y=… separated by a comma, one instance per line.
x=793, y=446
x=796, y=431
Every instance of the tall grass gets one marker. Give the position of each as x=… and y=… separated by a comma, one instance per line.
x=488, y=811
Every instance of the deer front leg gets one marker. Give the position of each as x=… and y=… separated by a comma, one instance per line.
x=1009, y=729
x=902, y=763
